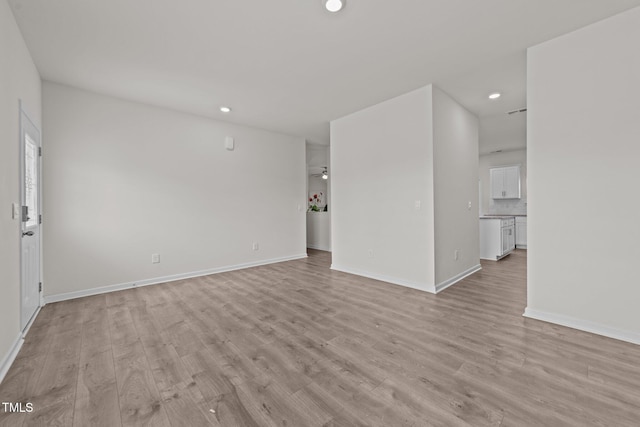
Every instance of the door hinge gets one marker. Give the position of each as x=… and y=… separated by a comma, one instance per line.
x=40, y=219
x=40, y=287
x=40, y=151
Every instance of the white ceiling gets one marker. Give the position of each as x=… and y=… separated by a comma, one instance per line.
x=290, y=66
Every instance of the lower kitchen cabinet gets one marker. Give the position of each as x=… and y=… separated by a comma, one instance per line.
x=497, y=237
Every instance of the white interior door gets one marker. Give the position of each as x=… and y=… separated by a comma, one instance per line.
x=29, y=218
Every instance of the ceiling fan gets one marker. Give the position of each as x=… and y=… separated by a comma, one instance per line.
x=324, y=174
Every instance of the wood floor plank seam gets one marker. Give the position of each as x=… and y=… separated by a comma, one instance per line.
x=113, y=361
x=118, y=382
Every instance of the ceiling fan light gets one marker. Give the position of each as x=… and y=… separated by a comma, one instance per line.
x=334, y=5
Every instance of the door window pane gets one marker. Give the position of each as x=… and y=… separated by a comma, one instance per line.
x=31, y=180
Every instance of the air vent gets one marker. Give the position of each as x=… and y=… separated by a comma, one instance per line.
x=519, y=110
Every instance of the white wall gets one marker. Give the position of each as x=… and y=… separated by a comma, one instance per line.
x=381, y=164
x=421, y=147
x=126, y=180
x=584, y=146
x=503, y=132
x=319, y=230
x=317, y=155
x=503, y=207
x=455, y=169
x=19, y=80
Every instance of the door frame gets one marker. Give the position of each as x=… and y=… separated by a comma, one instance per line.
x=23, y=114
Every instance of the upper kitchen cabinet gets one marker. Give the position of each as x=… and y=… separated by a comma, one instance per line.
x=505, y=182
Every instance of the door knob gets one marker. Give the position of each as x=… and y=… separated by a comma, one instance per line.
x=27, y=233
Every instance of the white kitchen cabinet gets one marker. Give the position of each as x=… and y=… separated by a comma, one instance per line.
x=508, y=239
x=497, y=237
x=521, y=232
x=505, y=182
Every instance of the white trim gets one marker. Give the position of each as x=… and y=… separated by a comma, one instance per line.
x=16, y=346
x=171, y=278
x=458, y=277
x=31, y=321
x=11, y=356
x=497, y=257
x=388, y=279
x=319, y=247
x=583, y=325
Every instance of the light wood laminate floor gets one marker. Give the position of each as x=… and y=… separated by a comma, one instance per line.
x=296, y=344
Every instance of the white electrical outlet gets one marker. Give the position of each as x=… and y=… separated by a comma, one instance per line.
x=456, y=254
x=417, y=204
x=256, y=246
x=155, y=258
x=370, y=253
x=469, y=206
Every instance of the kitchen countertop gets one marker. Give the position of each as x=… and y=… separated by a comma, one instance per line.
x=497, y=216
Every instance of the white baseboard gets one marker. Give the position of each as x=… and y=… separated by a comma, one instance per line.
x=15, y=347
x=414, y=285
x=455, y=279
x=583, y=325
x=420, y=286
x=319, y=247
x=11, y=356
x=156, y=280
x=32, y=320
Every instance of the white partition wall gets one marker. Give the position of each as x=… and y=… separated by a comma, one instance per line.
x=403, y=175
x=455, y=171
x=583, y=153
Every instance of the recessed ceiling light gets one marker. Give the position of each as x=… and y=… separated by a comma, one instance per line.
x=334, y=5
x=225, y=109
x=495, y=95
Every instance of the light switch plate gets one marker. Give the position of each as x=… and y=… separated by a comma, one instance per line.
x=15, y=211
